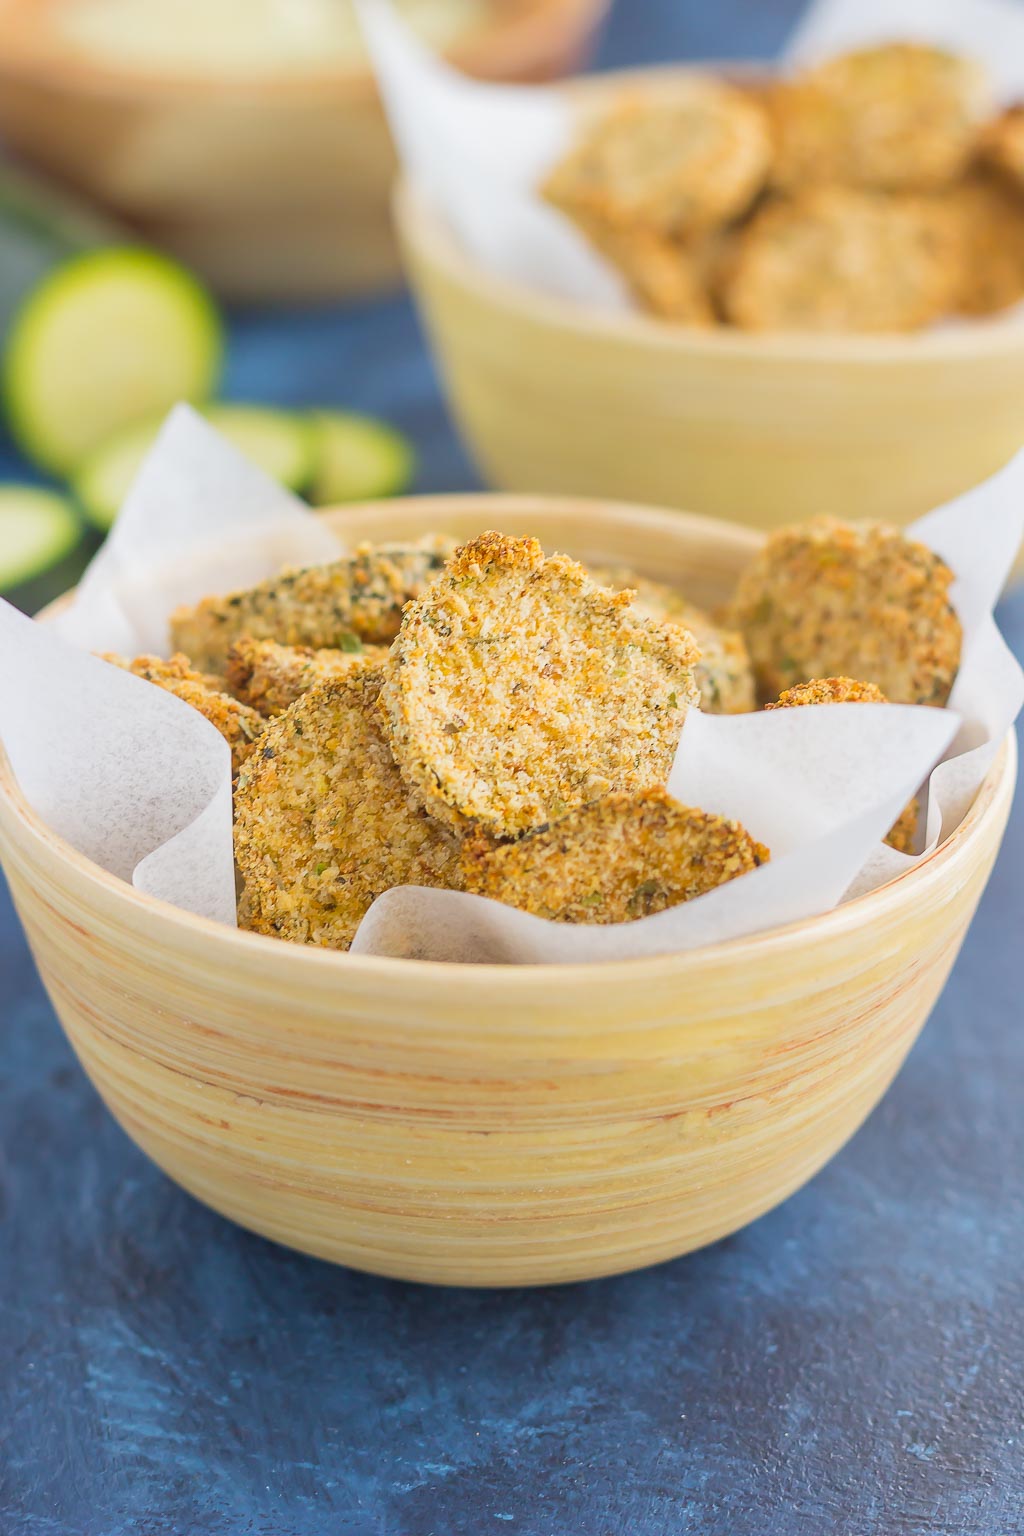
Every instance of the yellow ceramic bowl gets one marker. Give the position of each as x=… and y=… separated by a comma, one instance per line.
x=766, y=429
x=272, y=187
x=497, y=1125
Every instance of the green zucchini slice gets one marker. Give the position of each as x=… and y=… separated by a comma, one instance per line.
x=109, y=337
x=358, y=459
x=38, y=529
x=280, y=443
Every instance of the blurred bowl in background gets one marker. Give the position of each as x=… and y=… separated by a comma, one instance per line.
x=763, y=428
x=268, y=174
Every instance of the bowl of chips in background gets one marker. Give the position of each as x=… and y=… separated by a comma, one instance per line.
x=498, y=1125
x=247, y=138
x=739, y=389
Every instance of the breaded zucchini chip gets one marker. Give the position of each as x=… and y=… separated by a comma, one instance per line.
x=270, y=677
x=323, y=822
x=988, y=218
x=723, y=673
x=676, y=160
x=613, y=861
x=809, y=135
x=1001, y=145
x=832, y=599
x=832, y=259
x=909, y=115
x=357, y=599
x=663, y=274
x=829, y=690
x=846, y=690
x=518, y=689
x=240, y=726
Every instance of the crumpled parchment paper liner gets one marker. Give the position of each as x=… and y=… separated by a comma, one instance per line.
x=130, y=776
x=140, y=783
x=478, y=151
x=991, y=31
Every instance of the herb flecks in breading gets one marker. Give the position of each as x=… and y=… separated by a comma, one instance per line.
x=619, y=859
x=270, y=677
x=861, y=600
x=358, y=599
x=518, y=689
x=723, y=672
x=324, y=823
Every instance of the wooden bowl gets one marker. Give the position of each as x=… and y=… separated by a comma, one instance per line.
x=495, y=1126
x=767, y=429
x=272, y=188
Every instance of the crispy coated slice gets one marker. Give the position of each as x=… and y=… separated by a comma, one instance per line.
x=834, y=599
x=359, y=598
x=240, y=726
x=908, y=115
x=519, y=689
x=809, y=134
x=847, y=690
x=988, y=215
x=676, y=160
x=1002, y=144
x=663, y=274
x=723, y=673
x=270, y=677
x=323, y=822
x=829, y=690
x=832, y=259
x=613, y=861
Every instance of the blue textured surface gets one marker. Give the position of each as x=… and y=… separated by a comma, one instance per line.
x=853, y=1363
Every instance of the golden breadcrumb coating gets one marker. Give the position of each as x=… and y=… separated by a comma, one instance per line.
x=613, y=861
x=518, y=689
x=988, y=215
x=902, y=835
x=676, y=160
x=846, y=690
x=323, y=822
x=909, y=115
x=663, y=274
x=358, y=598
x=829, y=690
x=1001, y=145
x=832, y=259
x=240, y=726
x=834, y=599
x=809, y=130
x=270, y=677
x=723, y=673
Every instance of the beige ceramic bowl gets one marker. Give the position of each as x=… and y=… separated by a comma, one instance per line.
x=497, y=1125
x=276, y=188
x=766, y=429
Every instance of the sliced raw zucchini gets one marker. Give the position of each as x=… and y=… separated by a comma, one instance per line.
x=358, y=459
x=109, y=337
x=280, y=443
x=38, y=529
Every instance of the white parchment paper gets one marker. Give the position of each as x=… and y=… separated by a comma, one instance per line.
x=478, y=151
x=140, y=783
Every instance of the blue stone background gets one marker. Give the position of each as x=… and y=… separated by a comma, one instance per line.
x=853, y=1363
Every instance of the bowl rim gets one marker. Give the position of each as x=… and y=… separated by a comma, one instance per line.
x=509, y=39
x=427, y=233
x=871, y=908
